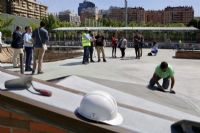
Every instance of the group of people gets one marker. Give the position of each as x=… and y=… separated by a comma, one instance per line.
x=121, y=44
x=163, y=71
x=32, y=44
x=138, y=40
x=88, y=42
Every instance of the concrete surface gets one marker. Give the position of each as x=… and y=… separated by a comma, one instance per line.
x=130, y=71
x=139, y=115
x=126, y=79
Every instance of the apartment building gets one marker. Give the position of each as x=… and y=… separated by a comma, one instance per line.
x=69, y=17
x=89, y=13
x=181, y=14
x=134, y=14
x=152, y=16
x=24, y=8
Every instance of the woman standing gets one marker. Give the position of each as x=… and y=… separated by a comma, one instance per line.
x=114, y=45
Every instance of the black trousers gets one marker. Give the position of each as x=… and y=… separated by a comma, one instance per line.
x=91, y=52
x=122, y=52
x=137, y=52
x=114, y=48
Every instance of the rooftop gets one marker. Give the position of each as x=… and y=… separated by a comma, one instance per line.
x=126, y=79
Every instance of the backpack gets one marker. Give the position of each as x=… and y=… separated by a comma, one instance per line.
x=119, y=43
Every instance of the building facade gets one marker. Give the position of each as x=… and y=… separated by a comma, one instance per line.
x=24, y=8
x=86, y=4
x=69, y=17
x=89, y=13
x=134, y=14
x=138, y=14
x=154, y=16
x=181, y=14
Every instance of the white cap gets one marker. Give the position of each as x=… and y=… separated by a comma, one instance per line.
x=100, y=106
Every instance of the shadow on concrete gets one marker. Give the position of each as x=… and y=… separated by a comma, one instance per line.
x=72, y=64
x=9, y=67
x=128, y=58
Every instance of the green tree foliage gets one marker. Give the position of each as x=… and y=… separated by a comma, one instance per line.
x=34, y=25
x=52, y=23
x=4, y=23
x=150, y=24
x=195, y=23
x=111, y=23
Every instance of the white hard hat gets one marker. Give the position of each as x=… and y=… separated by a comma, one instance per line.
x=101, y=107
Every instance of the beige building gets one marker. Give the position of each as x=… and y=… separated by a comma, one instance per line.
x=69, y=17
x=25, y=8
x=182, y=14
x=134, y=14
x=138, y=14
x=89, y=13
x=154, y=16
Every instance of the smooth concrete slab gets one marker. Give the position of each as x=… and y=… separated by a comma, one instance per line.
x=130, y=71
x=138, y=113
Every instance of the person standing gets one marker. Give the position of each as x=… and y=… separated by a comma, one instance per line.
x=123, y=46
x=99, y=46
x=136, y=40
x=28, y=46
x=86, y=43
x=141, y=43
x=163, y=71
x=40, y=37
x=92, y=46
x=114, y=45
x=17, y=45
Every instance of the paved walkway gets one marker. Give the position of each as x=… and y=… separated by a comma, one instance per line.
x=129, y=73
x=130, y=70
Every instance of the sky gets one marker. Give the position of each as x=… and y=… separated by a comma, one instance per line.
x=59, y=5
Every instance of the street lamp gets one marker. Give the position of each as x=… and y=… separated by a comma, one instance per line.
x=126, y=16
x=126, y=13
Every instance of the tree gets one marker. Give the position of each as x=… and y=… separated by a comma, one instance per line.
x=195, y=23
x=50, y=22
x=4, y=23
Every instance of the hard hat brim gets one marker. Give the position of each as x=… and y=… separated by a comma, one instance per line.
x=116, y=121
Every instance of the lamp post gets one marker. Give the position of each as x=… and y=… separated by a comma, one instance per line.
x=126, y=13
x=126, y=16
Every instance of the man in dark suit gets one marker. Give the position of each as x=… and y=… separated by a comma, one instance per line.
x=17, y=45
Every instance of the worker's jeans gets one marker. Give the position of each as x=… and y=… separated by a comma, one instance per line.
x=86, y=54
x=165, y=83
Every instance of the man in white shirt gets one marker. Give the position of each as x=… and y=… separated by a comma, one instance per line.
x=28, y=46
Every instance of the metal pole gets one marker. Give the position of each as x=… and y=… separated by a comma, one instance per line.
x=21, y=63
x=126, y=16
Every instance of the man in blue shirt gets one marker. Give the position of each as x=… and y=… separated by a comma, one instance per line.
x=40, y=37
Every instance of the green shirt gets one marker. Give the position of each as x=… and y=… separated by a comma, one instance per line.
x=168, y=73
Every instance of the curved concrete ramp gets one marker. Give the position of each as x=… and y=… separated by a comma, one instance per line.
x=139, y=111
